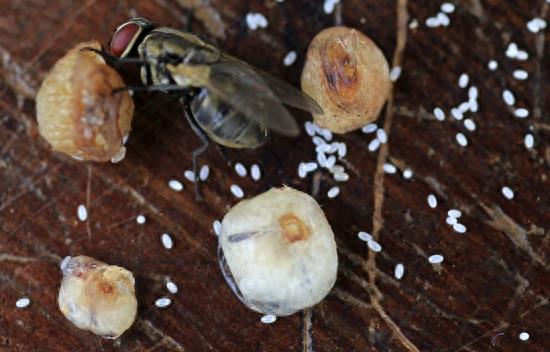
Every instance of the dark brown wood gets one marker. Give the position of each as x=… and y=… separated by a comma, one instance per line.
x=493, y=284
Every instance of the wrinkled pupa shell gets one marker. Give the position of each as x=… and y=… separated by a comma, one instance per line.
x=96, y=296
x=277, y=252
x=76, y=111
x=348, y=75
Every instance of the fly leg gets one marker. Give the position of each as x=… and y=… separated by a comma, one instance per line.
x=223, y=154
x=189, y=19
x=197, y=152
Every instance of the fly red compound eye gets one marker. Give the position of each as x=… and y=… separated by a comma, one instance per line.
x=124, y=38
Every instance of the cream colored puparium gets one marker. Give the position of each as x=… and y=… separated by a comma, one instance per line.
x=76, y=110
x=280, y=250
x=348, y=75
x=96, y=296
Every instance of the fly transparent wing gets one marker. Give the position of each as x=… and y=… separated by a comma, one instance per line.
x=238, y=85
x=289, y=95
x=285, y=92
x=241, y=87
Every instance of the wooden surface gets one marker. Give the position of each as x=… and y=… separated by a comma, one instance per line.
x=492, y=285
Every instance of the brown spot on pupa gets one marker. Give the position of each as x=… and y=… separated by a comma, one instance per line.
x=106, y=288
x=340, y=69
x=293, y=229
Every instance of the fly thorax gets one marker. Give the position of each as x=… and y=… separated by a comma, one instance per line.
x=189, y=75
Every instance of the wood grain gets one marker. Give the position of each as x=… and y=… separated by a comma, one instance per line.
x=492, y=285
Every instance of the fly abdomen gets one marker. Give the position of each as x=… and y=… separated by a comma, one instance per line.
x=224, y=124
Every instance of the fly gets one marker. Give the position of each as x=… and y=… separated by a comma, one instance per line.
x=225, y=100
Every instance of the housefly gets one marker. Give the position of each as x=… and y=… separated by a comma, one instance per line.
x=225, y=99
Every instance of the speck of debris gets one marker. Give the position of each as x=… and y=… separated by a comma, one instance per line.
x=492, y=65
x=524, y=336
